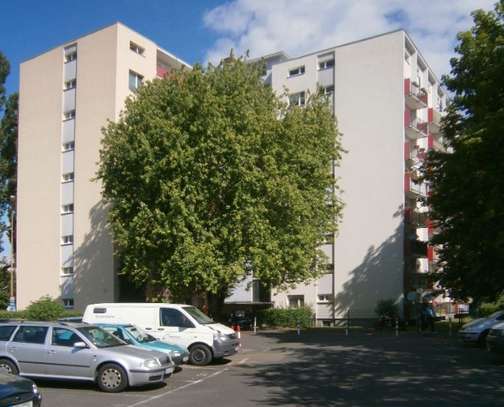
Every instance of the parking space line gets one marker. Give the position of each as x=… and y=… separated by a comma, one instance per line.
x=148, y=400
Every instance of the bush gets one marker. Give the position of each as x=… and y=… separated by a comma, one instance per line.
x=387, y=309
x=286, y=317
x=488, y=308
x=44, y=309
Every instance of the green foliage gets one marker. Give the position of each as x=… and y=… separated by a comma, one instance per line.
x=488, y=308
x=4, y=72
x=23, y=314
x=44, y=309
x=469, y=183
x=286, y=317
x=387, y=309
x=210, y=176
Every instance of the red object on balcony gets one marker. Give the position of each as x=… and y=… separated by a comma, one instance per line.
x=161, y=72
x=430, y=253
x=430, y=141
x=430, y=115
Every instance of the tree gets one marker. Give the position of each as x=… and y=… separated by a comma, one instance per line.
x=468, y=194
x=211, y=177
x=4, y=72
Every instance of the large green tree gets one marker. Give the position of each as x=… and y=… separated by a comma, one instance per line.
x=468, y=181
x=210, y=176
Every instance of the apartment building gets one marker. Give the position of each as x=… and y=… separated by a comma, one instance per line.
x=387, y=102
x=66, y=96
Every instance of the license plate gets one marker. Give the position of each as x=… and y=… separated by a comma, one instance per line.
x=185, y=359
x=169, y=370
x=27, y=404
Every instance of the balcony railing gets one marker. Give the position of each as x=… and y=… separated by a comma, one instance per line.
x=416, y=129
x=412, y=188
x=434, y=121
x=416, y=97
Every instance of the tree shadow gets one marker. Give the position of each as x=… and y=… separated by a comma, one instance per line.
x=368, y=370
x=379, y=276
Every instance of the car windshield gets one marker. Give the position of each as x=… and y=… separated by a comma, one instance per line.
x=100, y=338
x=198, y=315
x=139, y=335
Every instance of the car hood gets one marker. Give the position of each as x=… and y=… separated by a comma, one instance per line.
x=165, y=346
x=480, y=322
x=223, y=329
x=134, y=351
x=11, y=385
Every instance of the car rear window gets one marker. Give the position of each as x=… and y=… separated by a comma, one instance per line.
x=6, y=332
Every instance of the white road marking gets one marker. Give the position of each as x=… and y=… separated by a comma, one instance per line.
x=148, y=400
x=241, y=362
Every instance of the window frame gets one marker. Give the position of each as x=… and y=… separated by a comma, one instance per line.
x=301, y=102
x=67, y=240
x=137, y=49
x=66, y=177
x=323, y=66
x=69, y=306
x=64, y=329
x=69, y=115
x=72, y=82
x=324, y=301
x=66, y=150
x=138, y=80
x=63, y=273
x=66, y=212
x=21, y=327
x=301, y=71
x=11, y=333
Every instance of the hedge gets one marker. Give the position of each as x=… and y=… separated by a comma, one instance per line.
x=44, y=309
x=286, y=317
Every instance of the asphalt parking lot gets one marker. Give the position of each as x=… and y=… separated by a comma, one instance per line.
x=318, y=368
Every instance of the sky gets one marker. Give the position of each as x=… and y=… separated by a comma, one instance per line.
x=206, y=30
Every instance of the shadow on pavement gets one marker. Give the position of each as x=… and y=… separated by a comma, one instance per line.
x=327, y=369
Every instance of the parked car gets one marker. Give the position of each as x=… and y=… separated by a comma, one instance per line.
x=179, y=324
x=241, y=318
x=495, y=339
x=78, y=352
x=18, y=391
x=476, y=331
x=135, y=336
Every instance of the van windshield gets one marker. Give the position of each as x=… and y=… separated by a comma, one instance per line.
x=198, y=315
x=139, y=335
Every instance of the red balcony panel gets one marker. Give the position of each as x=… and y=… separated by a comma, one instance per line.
x=407, y=86
x=161, y=72
x=407, y=214
x=430, y=115
x=430, y=141
x=406, y=150
x=407, y=182
x=407, y=117
x=430, y=253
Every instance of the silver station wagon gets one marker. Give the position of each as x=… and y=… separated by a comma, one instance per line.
x=78, y=352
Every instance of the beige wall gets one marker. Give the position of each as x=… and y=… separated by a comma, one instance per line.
x=38, y=216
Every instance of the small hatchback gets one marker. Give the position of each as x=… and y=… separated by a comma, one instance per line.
x=78, y=352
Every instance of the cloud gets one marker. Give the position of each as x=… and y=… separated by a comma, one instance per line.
x=301, y=26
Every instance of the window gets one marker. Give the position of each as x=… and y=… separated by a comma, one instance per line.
x=300, y=70
x=329, y=63
x=68, y=208
x=297, y=99
x=69, y=115
x=99, y=310
x=68, y=303
x=136, y=48
x=327, y=90
x=6, y=332
x=70, y=56
x=72, y=83
x=329, y=238
x=135, y=80
x=67, y=270
x=173, y=317
x=68, y=146
x=68, y=177
x=65, y=337
x=31, y=334
x=67, y=239
x=324, y=298
x=296, y=301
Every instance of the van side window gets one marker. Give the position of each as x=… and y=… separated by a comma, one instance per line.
x=173, y=317
x=31, y=334
x=6, y=332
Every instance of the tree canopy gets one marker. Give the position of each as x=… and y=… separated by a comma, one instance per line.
x=468, y=194
x=210, y=177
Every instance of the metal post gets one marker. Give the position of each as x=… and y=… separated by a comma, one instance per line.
x=255, y=325
x=449, y=326
x=397, y=327
x=347, y=330
x=298, y=328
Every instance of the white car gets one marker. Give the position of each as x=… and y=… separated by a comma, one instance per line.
x=178, y=324
x=476, y=331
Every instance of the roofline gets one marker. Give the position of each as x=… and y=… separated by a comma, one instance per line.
x=268, y=56
x=66, y=43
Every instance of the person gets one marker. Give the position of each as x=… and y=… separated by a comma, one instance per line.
x=428, y=316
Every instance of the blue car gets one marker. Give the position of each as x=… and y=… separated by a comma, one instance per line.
x=135, y=336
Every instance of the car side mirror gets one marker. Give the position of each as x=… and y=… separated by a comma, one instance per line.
x=80, y=345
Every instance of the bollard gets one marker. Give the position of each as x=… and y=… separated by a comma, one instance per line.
x=397, y=327
x=298, y=329
x=255, y=325
x=449, y=326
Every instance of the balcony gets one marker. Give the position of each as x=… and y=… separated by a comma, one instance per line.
x=415, y=96
x=414, y=155
x=434, y=121
x=161, y=71
x=412, y=188
x=415, y=129
x=416, y=218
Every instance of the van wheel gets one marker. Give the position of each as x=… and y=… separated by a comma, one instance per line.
x=112, y=378
x=8, y=367
x=200, y=355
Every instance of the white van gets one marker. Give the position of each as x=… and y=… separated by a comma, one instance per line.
x=179, y=324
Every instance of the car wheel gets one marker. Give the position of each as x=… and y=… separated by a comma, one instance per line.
x=200, y=355
x=482, y=339
x=8, y=367
x=112, y=378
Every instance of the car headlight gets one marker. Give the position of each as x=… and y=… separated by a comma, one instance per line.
x=176, y=353
x=35, y=389
x=151, y=363
x=220, y=336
